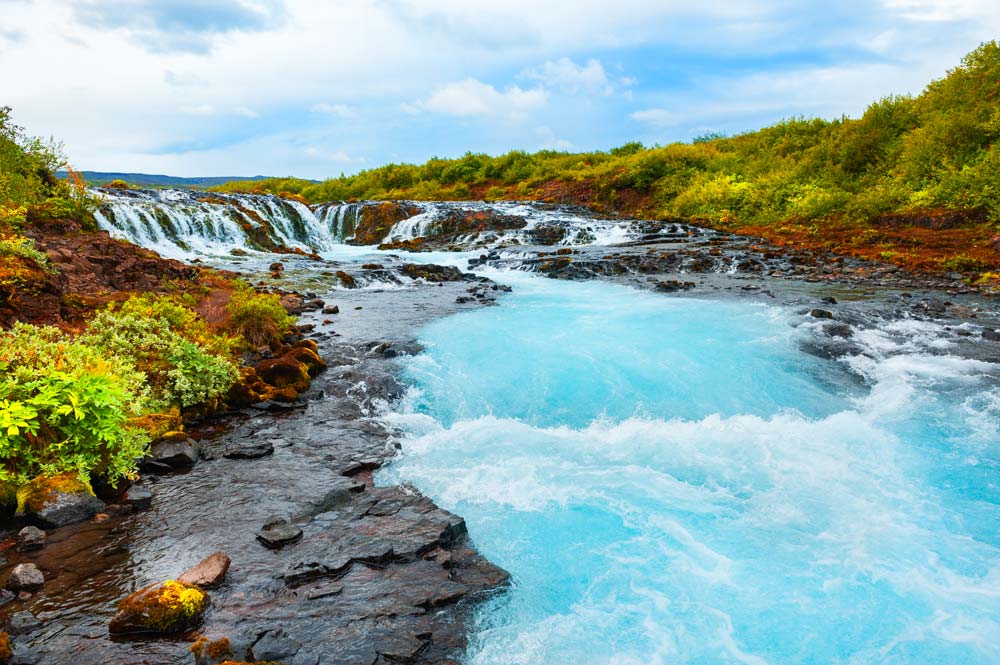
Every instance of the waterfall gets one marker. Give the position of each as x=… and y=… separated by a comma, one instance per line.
x=184, y=223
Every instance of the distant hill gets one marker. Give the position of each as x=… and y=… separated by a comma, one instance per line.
x=98, y=178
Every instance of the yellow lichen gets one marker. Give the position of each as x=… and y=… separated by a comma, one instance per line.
x=38, y=492
x=220, y=648
x=171, y=607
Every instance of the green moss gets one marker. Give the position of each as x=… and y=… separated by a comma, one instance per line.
x=33, y=496
x=171, y=607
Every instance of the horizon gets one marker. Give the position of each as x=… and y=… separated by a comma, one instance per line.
x=285, y=88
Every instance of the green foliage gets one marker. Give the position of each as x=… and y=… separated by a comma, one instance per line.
x=936, y=150
x=167, y=343
x=64, y=407
x=258, y=318
x=24, y=248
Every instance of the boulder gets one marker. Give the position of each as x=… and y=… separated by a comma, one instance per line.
x=30, y=538
x=331, y=309
x=284, y=373
x=52, y=502
x=250, y=450
x=139, y=497
x=307, y=357
x=174, y=453
x=208, y=573
x=820, y=314
x=991, y=335
x=273, y=646
x=278, y=532
x=164, y=607
x=22, y=623
x=346, y=279
x=25, y=577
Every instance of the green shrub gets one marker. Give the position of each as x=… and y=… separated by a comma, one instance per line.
x=156, y=336
x=24, y=248
x=65, y=407
x=258, y=318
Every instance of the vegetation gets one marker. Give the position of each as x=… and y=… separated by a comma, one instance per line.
x=807, y=180
x=258, y=318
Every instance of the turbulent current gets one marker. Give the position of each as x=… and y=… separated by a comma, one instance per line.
x=672, y=479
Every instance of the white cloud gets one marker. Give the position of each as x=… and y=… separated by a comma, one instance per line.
x=565, y=75
x=246, y=112
x=655, y=117
x=472, y=97
x=200, y=109
x=341, y=110
x=550, y=141
x=342, y=157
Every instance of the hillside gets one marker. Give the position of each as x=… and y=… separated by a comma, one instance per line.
x=100, y=178
x=913, y=181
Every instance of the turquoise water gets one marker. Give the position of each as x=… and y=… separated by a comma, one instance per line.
x=670, y=480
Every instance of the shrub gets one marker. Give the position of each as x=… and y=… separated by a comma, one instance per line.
x=161, y=339
x=65, y=407
x=24, y=248
x=258, y=318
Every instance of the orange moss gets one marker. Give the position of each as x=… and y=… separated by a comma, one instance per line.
x=6, y=652
x=220, y=648
x=158, y=425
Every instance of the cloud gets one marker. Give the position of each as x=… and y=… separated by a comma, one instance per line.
x=472, y=97
x=246, y=112
x=200, y=109
x=655, y=117
x=550, y=141
x=338, y=156
x=180, y=25
x=567, y=76
x=341, y=110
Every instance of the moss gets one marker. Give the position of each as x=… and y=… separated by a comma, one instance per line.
x=220, y=648
x=6, y=652
x=33, y=496
x=170, y=607
x=159, y=425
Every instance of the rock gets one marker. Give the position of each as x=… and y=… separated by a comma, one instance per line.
x=285, y=373
x=274, y=645
x=109, y=492
x=139, y=497
x=164, y=607
x=838, y=330
x=278, y=532
x=177, y=454
x=991, y=335
x=25, y=577
x=821, y=314
x=292, y=303
x=250, y=451
x=209, y=572
x=22, y=623
x=58, y=501
x=221, y=650
x=236, y=251
x=829, y=300
x=30, y=538
x=372, y=266
x=6, y=596
x=333, y=309
x=346, y=279
x=277, y=266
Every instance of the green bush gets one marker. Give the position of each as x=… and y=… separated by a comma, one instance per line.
x=258, y=318
x=157, y=338
x=65, y=407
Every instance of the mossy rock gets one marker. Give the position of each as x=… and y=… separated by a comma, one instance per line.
x=55, y=501
x=164, y=607
x=6, y=650
x=8, y=501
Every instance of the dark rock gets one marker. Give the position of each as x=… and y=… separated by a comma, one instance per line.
x=22, y=623
x=176, y=454
x=139, y=497
x=278, y=532
x=346, y=279
x=25, y=577
x=333, y=309
x=274, y=645
x=154, y=610
x=109, y=492
x=6, y=596
x=208, y=573
x=991, y=335
x=52, y=505
x=829, y=300
x=30, y=538
x=277, y=266
x=821, y=314
x=250, y=451
x=838, y=330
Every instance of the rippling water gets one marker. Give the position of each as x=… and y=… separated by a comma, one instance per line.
x=672, y=480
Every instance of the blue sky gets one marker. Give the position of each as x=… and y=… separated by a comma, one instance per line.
x=290, y=87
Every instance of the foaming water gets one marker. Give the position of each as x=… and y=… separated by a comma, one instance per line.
x=672, y=480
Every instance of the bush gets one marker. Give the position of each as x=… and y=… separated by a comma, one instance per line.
x=65, y=407
x=258, y=318
x=165, y=341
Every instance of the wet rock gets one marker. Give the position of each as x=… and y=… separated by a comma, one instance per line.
x=821, y=314
x=313, y=305
x=139, y=497
x=274, y=645
x=164, y=607
x=250, y=450
x=6, y=596
x=109, y=492
x=372, y=266
x=991, y=335
x=838, y=330
x=285, y=373
x=278, y=532
x=58, y=501
x=829, y=300
x=292, y=303
x=208, y=573
x=176, y=454
x=333, y=309
x=25, y=577
x=22, y=623
x=669, y=285
x=277, y=266
x=30, y=538
x=346, y=279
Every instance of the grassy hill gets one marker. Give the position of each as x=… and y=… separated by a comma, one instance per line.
x=99, y=178
x=913, y=181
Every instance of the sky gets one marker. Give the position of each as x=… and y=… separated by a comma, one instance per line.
x=316, y=89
